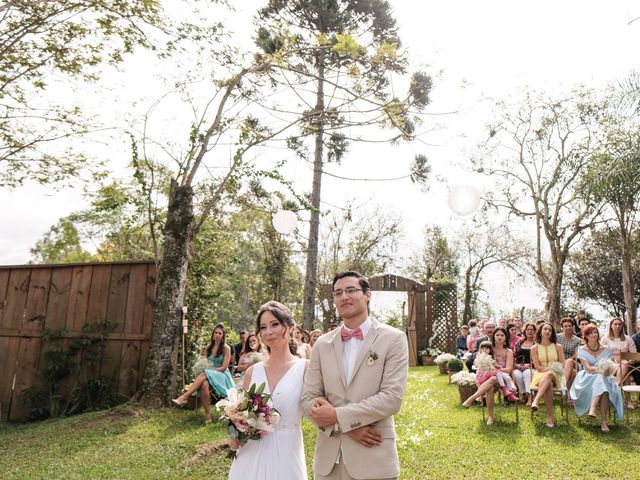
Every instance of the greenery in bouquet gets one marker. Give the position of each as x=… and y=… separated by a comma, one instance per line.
x=464, y=379
x=444, y=358
x=455, y=365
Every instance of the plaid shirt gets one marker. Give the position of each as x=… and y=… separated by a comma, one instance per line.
x=570, y=346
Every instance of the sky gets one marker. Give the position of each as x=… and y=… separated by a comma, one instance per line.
x=477, y=52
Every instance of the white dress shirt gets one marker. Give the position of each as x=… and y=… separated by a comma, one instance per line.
x=351, y=348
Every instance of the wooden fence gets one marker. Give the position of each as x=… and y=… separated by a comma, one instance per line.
x=38, y=297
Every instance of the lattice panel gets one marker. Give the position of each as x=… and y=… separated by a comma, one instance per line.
x=445, y=322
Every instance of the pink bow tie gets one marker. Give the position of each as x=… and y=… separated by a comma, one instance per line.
x=348, y=335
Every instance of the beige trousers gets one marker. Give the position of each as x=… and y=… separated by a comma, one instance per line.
x=339, y=472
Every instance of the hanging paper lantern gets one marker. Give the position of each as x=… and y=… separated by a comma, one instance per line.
x=464, y=199
x=284, y=221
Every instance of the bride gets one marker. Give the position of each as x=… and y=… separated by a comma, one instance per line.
x=280, y=454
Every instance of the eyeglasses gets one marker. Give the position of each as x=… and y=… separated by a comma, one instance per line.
x=349, y=291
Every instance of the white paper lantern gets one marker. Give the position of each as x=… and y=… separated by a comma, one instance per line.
x=285, y=221
x=464, y=199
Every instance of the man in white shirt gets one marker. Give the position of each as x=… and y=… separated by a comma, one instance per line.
x=354, y=385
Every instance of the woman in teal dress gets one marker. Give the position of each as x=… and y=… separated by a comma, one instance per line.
x=594, y=388
x=217, y=377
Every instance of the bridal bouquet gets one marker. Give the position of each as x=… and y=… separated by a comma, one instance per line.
x=607, y=366
x=484, y=363
x=255, y=357
x=556, y=368
x=201, y=365
x=249, y=414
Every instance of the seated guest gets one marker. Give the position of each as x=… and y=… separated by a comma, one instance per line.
x=636, y=339
x=474, y=333
x=254, y=352
x=581, y=317
x=570, y=344
x=514, y=338
x=518, y=323
x=543, y=354
x=217, y=377
x=619, y=343
x=461, y=341
x=595, y=388
x=583, y=322
x=315, y=334
x=522, y=366
x=488, y=328
x=304, y=349
x=503, y=357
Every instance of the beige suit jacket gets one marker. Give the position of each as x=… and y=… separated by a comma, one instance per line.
x=372, y=397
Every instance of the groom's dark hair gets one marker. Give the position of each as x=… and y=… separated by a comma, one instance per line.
x=362, y=280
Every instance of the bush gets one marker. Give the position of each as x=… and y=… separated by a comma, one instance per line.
x=455, y=365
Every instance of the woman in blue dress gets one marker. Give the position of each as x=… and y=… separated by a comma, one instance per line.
x=592, y=387
x=217, y=377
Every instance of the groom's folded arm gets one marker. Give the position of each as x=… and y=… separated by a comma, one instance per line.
x=388, y=400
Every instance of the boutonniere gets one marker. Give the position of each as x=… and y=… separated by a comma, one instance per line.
x=373, y=356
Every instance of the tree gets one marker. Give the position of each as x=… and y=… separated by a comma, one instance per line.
x=437, y=261
x=595, y=271
x=614, y=177
x=539, y=152
x=61, y=244
x=42, y=41
x=345, y=53
x=367, y=243
x=481, y=247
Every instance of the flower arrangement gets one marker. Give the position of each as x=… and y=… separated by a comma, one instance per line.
x=371, y=357
x=249, y=414
x=429, y=352
x=556, y=368
x=255, y=357
x=484, y=363
x=444, y=358
x=200, y=365
x=607, y=366
x=455, y=365
x=464, y=379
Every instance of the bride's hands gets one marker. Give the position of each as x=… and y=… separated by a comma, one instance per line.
x=234, y=444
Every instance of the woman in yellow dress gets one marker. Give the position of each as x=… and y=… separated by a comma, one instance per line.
x=543, y=354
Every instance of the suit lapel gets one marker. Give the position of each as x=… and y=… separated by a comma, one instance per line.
x=365, y=347
x=337, y=350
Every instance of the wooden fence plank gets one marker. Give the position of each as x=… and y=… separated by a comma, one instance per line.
x=116, y=312
x=4, y=283
x=79, y=297
x=136, y=295
x=17, y=290
x=8, y=356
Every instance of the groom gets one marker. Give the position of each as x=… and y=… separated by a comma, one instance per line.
x=354, y=385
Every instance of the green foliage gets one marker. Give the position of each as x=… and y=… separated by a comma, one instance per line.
x=437, y=260
x=595, y=270
x=455, y=365
x=61, y=244
x=77, y=364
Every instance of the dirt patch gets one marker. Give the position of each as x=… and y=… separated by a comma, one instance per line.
x=206, y=450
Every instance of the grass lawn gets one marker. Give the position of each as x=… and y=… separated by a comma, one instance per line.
x=437, y=440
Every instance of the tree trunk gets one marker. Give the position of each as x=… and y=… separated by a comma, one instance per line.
x=161, y=372
x=554, y=292
x=628, y=286
x=467, y=312
x=310, y=287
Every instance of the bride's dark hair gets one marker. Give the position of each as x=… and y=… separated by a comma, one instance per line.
x=283, y=315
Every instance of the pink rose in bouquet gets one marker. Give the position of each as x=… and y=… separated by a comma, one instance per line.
x=249, y=414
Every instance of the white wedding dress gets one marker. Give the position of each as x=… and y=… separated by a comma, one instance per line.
x=279, y=455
